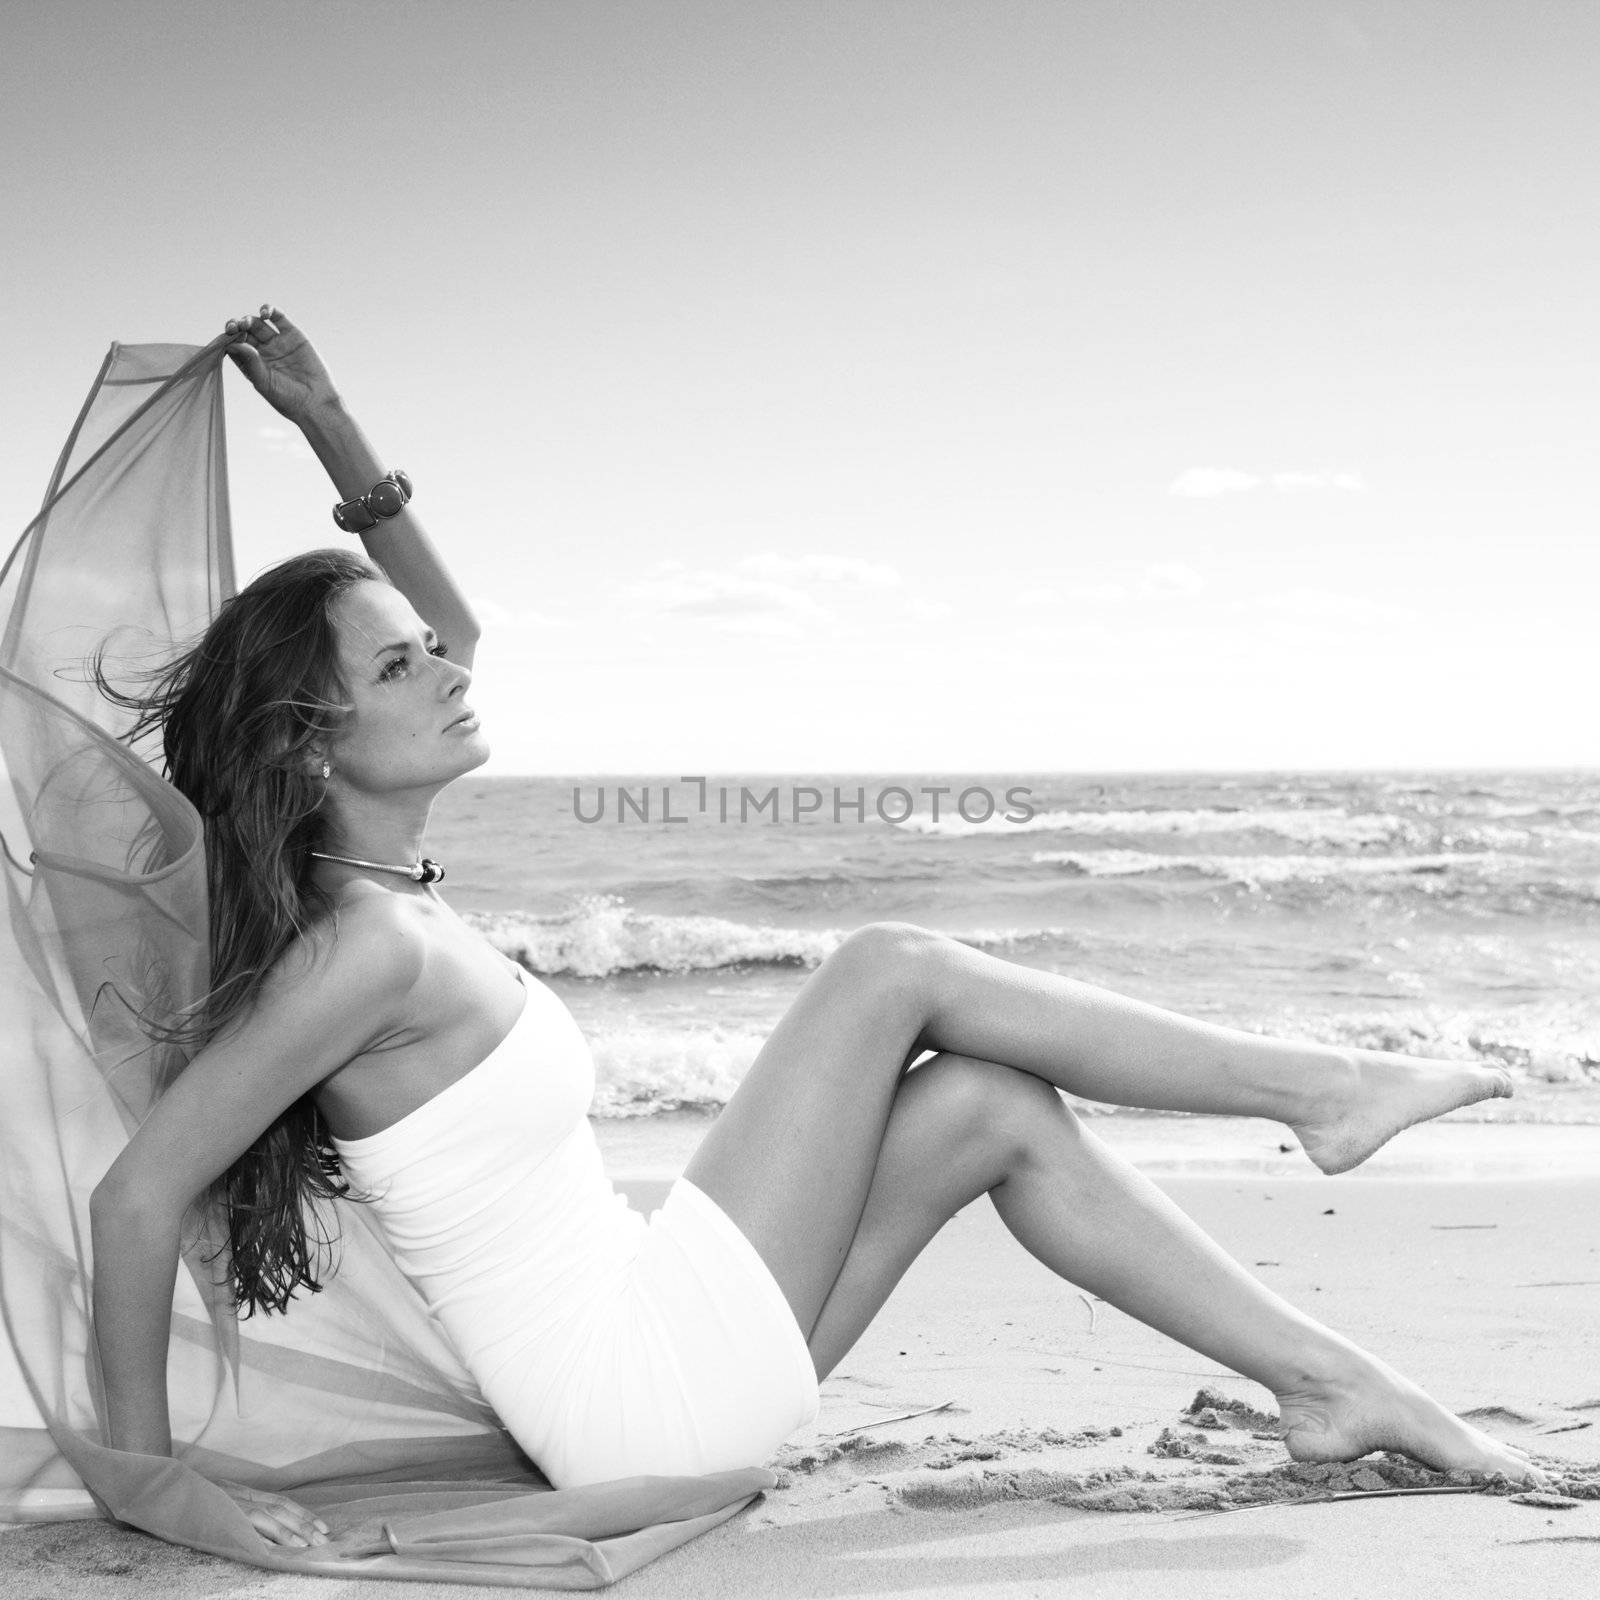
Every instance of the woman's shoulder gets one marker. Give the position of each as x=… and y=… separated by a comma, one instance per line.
x=371, y=948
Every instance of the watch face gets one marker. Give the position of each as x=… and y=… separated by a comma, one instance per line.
x=385, y=499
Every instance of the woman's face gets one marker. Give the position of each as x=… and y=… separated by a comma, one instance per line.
x=411, y=727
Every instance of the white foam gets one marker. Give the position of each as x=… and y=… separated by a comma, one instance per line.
x=1486, y=833
x=604, y=935
x=1558, y=1043
x=643, y=1070
x=1508, y=810
x=1253, y=870
x=1323, y=825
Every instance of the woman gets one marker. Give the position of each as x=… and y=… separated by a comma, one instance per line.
x=357, y=1033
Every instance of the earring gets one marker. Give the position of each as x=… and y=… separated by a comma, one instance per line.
x=327, y=772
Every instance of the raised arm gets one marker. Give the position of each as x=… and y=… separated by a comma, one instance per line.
x=345, y=997
x=284, y=366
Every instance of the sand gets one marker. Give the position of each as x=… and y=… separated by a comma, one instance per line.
x=1076, y=1448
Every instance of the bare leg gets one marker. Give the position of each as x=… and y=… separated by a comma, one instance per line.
x=960, y=1127
x=1342, y=1104
x=792, y=1155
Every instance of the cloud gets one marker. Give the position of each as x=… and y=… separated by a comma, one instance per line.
x=817, y=568
x=1203, y=483
x=731, y=602
x=765, y=594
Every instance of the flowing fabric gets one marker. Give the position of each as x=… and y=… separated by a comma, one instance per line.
x=352, y=1402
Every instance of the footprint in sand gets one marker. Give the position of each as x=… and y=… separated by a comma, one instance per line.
x=1522, y=1428
x=1503, y=1415
x=1218, y=1454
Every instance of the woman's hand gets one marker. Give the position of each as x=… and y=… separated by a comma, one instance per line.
x=281, y=362
x=276, y=1518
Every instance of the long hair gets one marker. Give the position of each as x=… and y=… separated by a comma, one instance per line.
x=239, y=715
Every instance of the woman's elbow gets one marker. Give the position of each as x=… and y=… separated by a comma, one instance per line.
x=123, y=1203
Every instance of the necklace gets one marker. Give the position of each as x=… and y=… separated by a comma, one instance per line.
x=424, y=871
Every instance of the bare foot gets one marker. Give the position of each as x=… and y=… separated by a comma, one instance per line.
x=1385, y=1093
x=1381, y=1410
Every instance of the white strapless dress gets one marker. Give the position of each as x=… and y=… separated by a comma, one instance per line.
x=609, y=1345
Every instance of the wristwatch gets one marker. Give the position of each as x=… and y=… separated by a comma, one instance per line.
x=384, y=499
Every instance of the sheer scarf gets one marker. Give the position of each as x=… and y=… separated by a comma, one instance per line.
x=352, y=1402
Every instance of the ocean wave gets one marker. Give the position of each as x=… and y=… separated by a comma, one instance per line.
x=603, y=935
x=641, y=1071
x=1518, y=884
x=1493, y=837
x=1531, y=810
x=1251, y=870
x=895, y=874
x=1558, y=1044
x=1330, y=825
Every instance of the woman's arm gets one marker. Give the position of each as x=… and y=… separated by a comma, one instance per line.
x=136, y=1268
x=282, y=363
x=338, y=1003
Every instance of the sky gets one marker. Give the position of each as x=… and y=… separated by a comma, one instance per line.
x=885, y=386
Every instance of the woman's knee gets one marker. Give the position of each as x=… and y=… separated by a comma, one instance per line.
x=891, y=955
x=888, y=940
x=991, y=1104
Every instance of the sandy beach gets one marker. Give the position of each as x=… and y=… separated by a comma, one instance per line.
x=1108, y=486
x=1066, y=1447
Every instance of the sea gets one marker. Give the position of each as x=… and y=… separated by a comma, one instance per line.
x=1447, y=914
